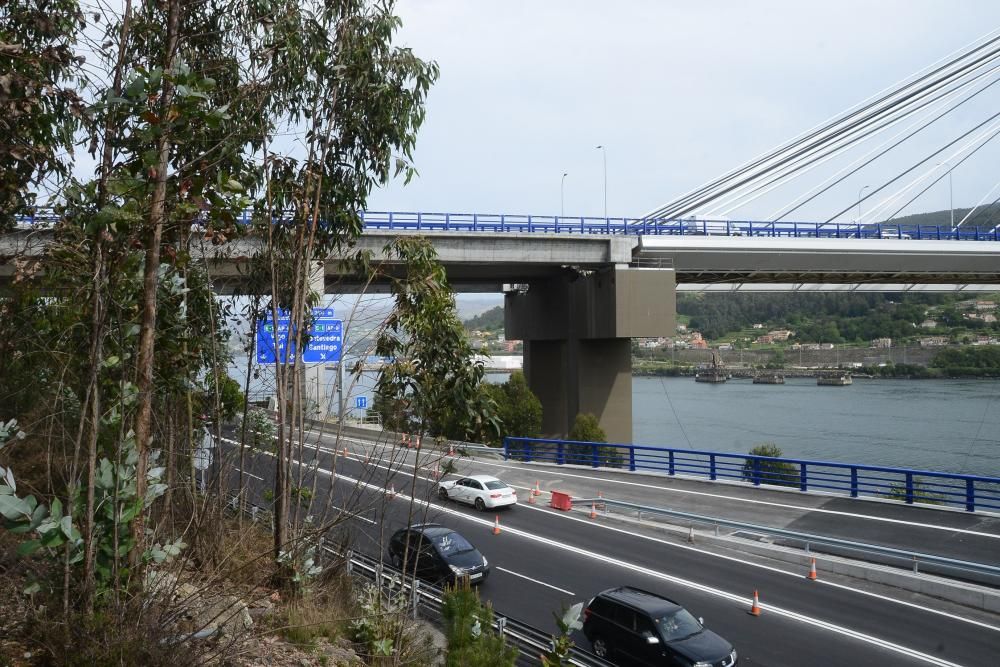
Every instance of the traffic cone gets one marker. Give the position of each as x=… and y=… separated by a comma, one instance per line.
x=451, y=449
x=392, y=491
x=417, y=445
x=593, y=510
x=437, y=471
x=531, y=497
x=496, y=525
x=537, y=491
x=345, y=450
x=812, y=570
x=755, y=607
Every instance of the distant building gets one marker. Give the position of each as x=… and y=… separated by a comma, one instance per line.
x=682, y=328
x=781, y=334
x=981, y=340
x=699, y=344
x=985, y=305
x=929, y=324
x=758, y=326
x=989, y=317
x=933, y=341
x=766, y=339
x=882, y=342
x=725, y=346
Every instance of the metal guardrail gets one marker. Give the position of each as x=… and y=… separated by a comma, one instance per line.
x=529, y=639
x=908, y=485
x=808, y=539
x=610, y=226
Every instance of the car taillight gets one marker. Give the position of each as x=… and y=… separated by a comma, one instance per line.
x=495, y=495
x=586, y=613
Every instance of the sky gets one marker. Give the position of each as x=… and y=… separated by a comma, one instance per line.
x=677, y=92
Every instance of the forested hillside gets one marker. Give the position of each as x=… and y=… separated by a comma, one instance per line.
x=829, y=318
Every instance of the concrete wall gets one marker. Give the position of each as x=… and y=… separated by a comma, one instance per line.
x=577, y=331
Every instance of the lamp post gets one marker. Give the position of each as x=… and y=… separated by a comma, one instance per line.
x=859, y=201
x=562, y=195
x=604, y=152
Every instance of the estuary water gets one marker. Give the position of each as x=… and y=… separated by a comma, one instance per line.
x=944, y=425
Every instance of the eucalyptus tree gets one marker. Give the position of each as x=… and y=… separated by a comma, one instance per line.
x=354, y=102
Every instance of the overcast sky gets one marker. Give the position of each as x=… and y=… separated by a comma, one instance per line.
x=678, y=92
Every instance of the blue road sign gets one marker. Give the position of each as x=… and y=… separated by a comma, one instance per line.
x=361, y=402
x=326, y=339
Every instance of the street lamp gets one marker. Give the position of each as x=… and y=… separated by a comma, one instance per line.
x=604, y=152
x=562, y=195
x=859, y=201
x=951, y=194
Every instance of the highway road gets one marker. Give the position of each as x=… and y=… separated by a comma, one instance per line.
x=544, y=560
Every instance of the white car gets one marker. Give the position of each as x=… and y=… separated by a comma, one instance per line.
x=483, y=491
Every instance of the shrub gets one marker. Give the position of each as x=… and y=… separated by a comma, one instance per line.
x=781, y=473
x=586, y=428
x=469, y=629
x=897, y=491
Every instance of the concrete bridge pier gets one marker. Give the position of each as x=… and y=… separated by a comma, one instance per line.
x=577, y=330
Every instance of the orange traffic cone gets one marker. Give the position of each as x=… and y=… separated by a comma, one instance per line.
x=537, y=491
x=417, y=445
x=531, y=497
x=812, y=570
x=345, y=450
x=593, y=510
x=496, y=525
x=451, y=449
x=755, y=607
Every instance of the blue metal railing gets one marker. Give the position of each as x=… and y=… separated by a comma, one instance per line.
x=909, y=485
x=505, y=223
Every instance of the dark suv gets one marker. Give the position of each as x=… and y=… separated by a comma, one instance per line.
x=637, y=627
x=441, y=553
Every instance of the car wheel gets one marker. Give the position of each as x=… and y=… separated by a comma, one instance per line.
x=480, y=505
x=443, y=493
x=600, y=647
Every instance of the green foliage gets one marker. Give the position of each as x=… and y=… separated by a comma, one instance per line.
x=972, y=361
x=781, y=473
x=384, y=631
x=518, y=409
x=562, y=644
x=258, y=430
x=472, y=642
x=432, y=378
x=586, y=428
x=230, y=396
x=491, y=320
x=39, y=104
x=51, y=527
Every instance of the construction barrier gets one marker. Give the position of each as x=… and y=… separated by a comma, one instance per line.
x=561, y=501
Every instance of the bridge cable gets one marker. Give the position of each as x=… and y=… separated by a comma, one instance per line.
x=882, y=106
x=832, y=120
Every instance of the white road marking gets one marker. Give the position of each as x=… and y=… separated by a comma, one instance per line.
x=250, y=474
x=748, y=563
x=787, y=613
x=800, y=508
x=354, y=515
x=534, y=581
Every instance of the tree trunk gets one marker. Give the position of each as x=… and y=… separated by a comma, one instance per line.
x=147, y=332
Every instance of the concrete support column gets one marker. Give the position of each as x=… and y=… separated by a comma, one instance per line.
x=577, y=332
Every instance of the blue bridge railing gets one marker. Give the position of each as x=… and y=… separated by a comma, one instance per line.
x=971, y=492
x=505, y=223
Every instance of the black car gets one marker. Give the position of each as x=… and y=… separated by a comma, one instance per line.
x=442, y=554
x=633, y=626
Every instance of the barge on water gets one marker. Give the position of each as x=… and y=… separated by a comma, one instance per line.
x=715, y=374
x=769, y=378
x=834, y=379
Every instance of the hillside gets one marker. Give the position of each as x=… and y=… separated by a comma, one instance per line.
x=491, y=320
x=984, y=217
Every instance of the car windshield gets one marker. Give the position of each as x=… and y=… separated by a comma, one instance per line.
x=495, y=484
x=452, y=543
x=678, y=625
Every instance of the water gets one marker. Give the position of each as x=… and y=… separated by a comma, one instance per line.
x=945, y=425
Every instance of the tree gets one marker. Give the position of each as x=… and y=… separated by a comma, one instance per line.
x=472, y=642
x=518, y=409
x=767, y=471
x=586, y=428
